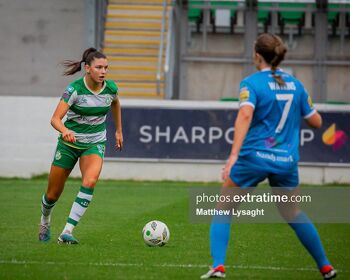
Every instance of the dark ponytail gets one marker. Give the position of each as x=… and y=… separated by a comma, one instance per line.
x=273, y=50
x=71, y=66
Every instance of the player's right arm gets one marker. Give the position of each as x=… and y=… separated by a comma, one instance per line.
x=314, y=121
x=62, y=108
x=247, y=101
x=56, y=121
x=242, y=124
x=308, y=111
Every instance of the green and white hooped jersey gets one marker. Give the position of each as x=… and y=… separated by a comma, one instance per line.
x=86, y=116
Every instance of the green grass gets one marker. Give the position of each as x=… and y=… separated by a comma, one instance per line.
x=111, y=246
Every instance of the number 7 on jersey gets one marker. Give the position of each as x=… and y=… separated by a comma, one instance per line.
x=289, y=99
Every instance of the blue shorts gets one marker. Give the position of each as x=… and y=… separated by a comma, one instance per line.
x=246, y=173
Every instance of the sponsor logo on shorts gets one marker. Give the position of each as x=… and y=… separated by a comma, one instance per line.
x=58, y=155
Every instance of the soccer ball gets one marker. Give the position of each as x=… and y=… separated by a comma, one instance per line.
x=155, y=233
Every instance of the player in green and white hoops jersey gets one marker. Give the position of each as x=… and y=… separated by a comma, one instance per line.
x=85, y=103
x=87, y=112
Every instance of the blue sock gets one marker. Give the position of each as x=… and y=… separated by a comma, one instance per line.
x=219, y=236
x=308, y=236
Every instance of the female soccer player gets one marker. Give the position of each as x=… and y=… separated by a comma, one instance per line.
x=85, y=102
x=267, y=126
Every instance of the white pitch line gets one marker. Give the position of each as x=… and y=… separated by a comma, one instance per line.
x=245, y=267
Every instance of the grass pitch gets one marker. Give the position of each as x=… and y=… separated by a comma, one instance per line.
x=111, y=246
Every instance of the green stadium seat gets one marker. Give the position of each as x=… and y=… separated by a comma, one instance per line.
x=291, y=17
x=332, y=15
x=195, y=15
x=333, y=18
x=264, y=16
x=347, y=20
x=223, y=5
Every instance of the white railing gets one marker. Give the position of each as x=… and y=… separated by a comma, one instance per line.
x=161, y=47
x=169, y=57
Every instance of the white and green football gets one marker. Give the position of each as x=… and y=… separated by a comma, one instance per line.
x=155, y=233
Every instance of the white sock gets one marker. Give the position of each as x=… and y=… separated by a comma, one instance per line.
x=79, y=207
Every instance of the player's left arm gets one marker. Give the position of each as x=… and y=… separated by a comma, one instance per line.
x=117, y=116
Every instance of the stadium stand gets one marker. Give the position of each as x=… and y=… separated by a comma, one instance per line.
x=290, y=14
x=134, y=41
x=335, y=12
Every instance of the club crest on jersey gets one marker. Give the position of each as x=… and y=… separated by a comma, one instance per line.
x=83, y=100
x=244, y=94
x=108, y=100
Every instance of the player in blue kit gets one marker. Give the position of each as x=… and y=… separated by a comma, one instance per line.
x=266, y=142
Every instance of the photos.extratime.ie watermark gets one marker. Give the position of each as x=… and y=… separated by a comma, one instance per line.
x=268, y=205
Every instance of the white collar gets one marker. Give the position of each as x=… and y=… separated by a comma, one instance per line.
x=269, y=69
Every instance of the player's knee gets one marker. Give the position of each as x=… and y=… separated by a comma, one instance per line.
x=52, y=196
x=289, y=216
x=89, y=182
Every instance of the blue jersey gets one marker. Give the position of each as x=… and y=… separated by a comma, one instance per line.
x=273, y=136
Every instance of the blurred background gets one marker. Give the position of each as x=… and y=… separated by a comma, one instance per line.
x=169, y=55
x=165, y=49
